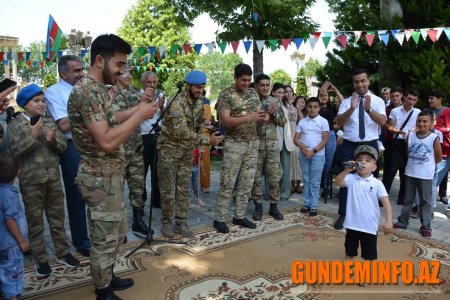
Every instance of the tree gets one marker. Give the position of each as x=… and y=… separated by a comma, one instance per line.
x=392, y=65
x=280, y=76
x=308, y=71
x=219, y=69
x=153, y=23
x=277, y=19
x=34, y=72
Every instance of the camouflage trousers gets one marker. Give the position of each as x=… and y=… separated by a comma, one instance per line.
x=45, y=198
x=238, y=158
x=107, y=217
x=269, y=161
x=134, y=175
x=174, y=175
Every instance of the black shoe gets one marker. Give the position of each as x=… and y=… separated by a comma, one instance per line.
x=106, y=294
x=257, y=215
x=325, y=192
x=69, y=260
x=221, y=227
x=313, y=212
x=444, y=200
x=118, y=284
x=244, y=223
x=339, y=223
x=85, y=252
x=305, y=210
x=138, y=224
x=275, y=213
x=43, y=269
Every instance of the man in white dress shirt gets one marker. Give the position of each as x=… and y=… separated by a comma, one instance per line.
x=361, y=116
x=70, y=68
x=149, y=80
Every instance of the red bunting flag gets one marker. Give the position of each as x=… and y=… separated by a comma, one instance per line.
x=343, y=40
x=28, y=63
x=54, y=39
x=1, y=56
x=285, y=43
x=316, y=35
x=187, y=48
x=369, y=39
x=235, y=45
x=19, y=56
x=432, y=34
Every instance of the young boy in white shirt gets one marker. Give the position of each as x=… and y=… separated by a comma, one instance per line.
x=363, y=212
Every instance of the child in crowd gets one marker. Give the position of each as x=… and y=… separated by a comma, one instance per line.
x=13, y=230
x=36, y=146
x=424, y=152
x=363, y=212
x=311, y=137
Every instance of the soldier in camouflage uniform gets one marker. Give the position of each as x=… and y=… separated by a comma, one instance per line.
x=37, y=147
x=127, y=98
x=182, y=131
x=98, y=137
x=239, y=112
x=268, y=153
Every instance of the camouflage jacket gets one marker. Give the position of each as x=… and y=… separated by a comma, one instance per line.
x=89, y=103
x=239, y=105
x=268, y=132
x=126, y=99
x=183, y=124
x=38, y=159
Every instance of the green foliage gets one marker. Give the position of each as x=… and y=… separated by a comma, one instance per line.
x=280, y=76
x=49, y=79
x=34, y=73
x=219, y=69
x=310, y=69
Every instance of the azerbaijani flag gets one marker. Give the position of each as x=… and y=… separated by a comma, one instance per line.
x=54, y=39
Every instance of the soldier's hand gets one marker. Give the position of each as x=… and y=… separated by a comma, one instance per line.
x=147, y=109
x=112, y=92
x=215, y=139
x=258, y=115
x=271, y=109
x=51, y=134
x=36, y=129
x=148, y=94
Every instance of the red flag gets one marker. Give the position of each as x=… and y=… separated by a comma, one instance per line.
x=235, y=45
x=54, y=39
x=369, y=39
x=285, y=43
x=343, y=40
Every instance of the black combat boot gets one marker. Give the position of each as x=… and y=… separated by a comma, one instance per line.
x=257, y=215
x=106, y=294
x=138, y=224
x=274, y=212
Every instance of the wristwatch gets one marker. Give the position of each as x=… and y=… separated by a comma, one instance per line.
x=315, y=150
x=369, y=111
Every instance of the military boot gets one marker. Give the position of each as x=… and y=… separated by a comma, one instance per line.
x=138, y=224
x=274, y=212
x=257, y=215
x=293, y=187
x=106, y=294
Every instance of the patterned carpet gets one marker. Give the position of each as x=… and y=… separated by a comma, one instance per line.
x=247, y=264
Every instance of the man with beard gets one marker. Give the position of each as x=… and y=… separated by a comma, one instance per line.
x=98, y=137
x=361, y=116
x=181, y=132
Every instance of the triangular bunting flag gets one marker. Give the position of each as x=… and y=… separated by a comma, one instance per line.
x=19, y=56
x=273, y=44
x=60, y=53
x=416, y=36
x=235, y=45
x=197, y=48
x=260, y=44
x=156, y=69
x=439, y=32
x=285, y=43
x=162, y=50
x=423, y=33
x=41, y=63
x=326, y=40
x=343, y=40
x=394, y=32
x=35, y=63
x=141, y=51
x=298, y=42
x=316, y=35
x=27, y=56
x=447, y=33
x=9, y=55
x=247, y=45
x=180, y=51
x=138, y=68
x=408, y=34
x=210, y=47
x=255, y=16
x=44, y=55
x=432, y=34
x=222, y=46
x=399, y=36
x=28, y=64
x=83, y=53
x=313, y=42
x=384, y=37
x=173, y=49
x=1, y=56
x=146, y=59
x=152, y=51
x=369, y=39
x=5, y=62
x=187, y=48
x=357, y=35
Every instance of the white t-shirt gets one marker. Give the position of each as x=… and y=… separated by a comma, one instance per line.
x=351, y=127
x=399, y=115
x=311, y=132
x=421, y=163
x=363, y=212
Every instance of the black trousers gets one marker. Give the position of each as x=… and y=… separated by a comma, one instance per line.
x=395, y=158
x=149, y=142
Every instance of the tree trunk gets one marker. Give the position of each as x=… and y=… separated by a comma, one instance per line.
x=258, y=63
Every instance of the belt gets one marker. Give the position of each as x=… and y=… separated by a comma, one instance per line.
x=359, y=143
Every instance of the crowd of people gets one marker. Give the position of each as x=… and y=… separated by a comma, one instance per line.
x=96, y=131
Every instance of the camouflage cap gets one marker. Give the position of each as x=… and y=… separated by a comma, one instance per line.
x=366, y=149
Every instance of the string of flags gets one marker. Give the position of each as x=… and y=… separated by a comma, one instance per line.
x=144, y=55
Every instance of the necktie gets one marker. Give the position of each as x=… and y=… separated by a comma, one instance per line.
x=362, y=129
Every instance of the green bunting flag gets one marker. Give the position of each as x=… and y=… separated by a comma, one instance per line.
x=222, y=46
x=273, y=44
x=415, y=35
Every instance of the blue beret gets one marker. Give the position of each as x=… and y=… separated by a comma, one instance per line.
x=195, y=77
x=27, y=93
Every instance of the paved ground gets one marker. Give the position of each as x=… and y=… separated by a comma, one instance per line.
x=205, y=215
